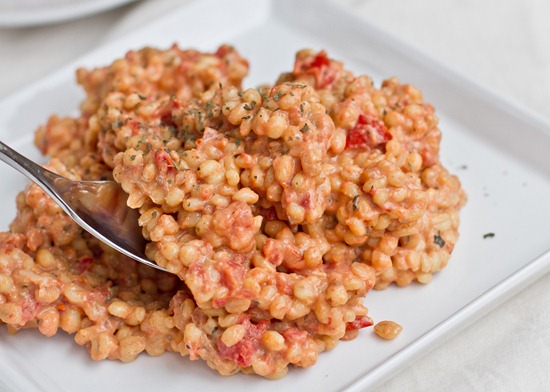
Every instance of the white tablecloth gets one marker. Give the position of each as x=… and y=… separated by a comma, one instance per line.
x=503, y=44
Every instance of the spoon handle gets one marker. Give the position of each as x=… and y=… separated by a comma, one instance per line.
x=21, y=163
x=34, y=172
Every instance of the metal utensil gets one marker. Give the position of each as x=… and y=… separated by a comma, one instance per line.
x=99, y=207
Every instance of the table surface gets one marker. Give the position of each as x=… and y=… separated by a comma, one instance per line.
x=501, y=44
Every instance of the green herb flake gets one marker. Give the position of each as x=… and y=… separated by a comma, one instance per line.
x=488, y=235
x=154, y=214
x=355, y=203
x=250, y=106
x=133, y=158
x=438, y=240
x=116, y=124
x=305, y=128
x=278, y=95
x=210, y=109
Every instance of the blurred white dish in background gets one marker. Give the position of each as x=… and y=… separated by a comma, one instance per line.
x=26, y=13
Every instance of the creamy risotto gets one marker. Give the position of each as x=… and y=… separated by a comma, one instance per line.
x=275, y=209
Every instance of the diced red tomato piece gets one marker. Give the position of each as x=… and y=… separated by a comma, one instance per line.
x=320, y=67
x=231, y=272
x=244, y=352
x=167, y=112
x=321, y=60
x=294, y=336
x=84, y=264
x=269, y=214
x=164, y=161
x=359, y=322
x=368, y=133
x=222, y=51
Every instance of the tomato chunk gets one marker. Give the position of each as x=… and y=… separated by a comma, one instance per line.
x=320, y=67
x=368, y=133
x=84, y=264
x=244, y=352
x=359, y=322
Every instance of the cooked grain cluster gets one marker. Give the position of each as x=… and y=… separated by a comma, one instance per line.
x=276, y=209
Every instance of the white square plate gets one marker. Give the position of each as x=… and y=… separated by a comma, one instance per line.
x=499, y=151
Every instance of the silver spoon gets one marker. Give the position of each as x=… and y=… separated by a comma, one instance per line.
x=99, y=207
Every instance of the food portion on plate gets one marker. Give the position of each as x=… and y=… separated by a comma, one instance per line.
x=276, y=209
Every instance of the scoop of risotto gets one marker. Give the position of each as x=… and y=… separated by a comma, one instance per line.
x=275, y=209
